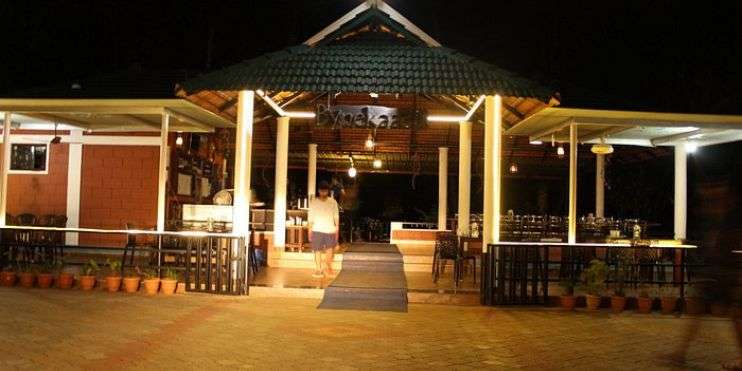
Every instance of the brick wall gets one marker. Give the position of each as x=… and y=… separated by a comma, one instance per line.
x=43, y=193
x=118, y=186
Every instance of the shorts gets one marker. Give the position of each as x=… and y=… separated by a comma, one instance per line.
x=323, y=241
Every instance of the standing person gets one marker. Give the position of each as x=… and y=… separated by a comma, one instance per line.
x=324, y=228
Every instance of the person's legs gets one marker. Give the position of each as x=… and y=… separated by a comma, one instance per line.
x=317, y=244
x=329, y=256
x=317, y=262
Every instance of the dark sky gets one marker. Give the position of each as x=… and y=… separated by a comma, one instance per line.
x=659, y=55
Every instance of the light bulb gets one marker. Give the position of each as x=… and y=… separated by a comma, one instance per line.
x=377, y=164
x=560, y=151
x=179, y=140
x=352, y=172
x=369, y=143
x=513, y=168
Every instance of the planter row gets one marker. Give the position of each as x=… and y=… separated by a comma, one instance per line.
x=668, y=305
x=87, y=283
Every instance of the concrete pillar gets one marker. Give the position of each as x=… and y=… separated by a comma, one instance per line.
x=279, y=199
x=572, y=227
x=442, y=187
x=681, y=191
x=5, y=167
x=599, y=186
x=74, y=174
x=492, y=170
x=464, y=178
x=243, y=163
x=312, y=171
x=162, y=179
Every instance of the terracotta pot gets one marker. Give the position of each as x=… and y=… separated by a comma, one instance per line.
x=168, y=287
x=668, y=304
x=694, y=306
x=131, y=284
x=7, y=279
x=151, y=286
x=644, y=305
x=113, y=283
x=618, y=303
x=65, y=280
x=718, y=309
x=568, y=302
x=45, y=280
x=592, y=301
x=87, y=282
x=27, y=279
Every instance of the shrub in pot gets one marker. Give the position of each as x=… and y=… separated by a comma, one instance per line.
x=568, y=299
x=87, y=275
x=623, y=264
x=151, y=282
x=644, y=300
x=113, y=278
x=131, y=282
x=7, y=277
x=169, y=281
x=593, y=279
x=668, y=300
x=65, y=280
x=694, y=302
x=46, y=275
x=27, y=277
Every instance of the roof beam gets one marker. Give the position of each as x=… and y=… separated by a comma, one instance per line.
x=551, y=130
x=189, y=120
x=338, y=23
x=681, y=136
x=603, y=133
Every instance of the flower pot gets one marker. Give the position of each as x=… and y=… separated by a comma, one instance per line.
x=27, y=279
x=168, y=287
x=694, y=306
x=618, y=303
x=568, y=302
x=65, y=280
x=644, y=305
x=113, y=283
x=718, y=309
x=45, y=280
x=131, y=284
x=592, y=301
x=151, y=286
x=668, y=304
x=87, y=282
x=7, y=279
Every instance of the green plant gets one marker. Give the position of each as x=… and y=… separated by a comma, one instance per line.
x=594, y=277
x=90, y=269
x=568, y=284
x=148, y=273
x=645, y=291
x=667, y=292
x=47, y=267
x=114, y=267
x=170, y=274
x=623, y=269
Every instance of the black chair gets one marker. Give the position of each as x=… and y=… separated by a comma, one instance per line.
x=23, y=239
x=447, y=248
x=132, y=245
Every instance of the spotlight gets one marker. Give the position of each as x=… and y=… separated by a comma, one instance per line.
x=513, y=168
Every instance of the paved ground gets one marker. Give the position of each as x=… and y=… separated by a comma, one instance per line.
x=53, y=329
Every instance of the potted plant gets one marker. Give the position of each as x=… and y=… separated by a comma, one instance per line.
x=113, y=279
x=623, y=264
x=7, y=276
x=46, y=275
x=668, y=300
x=644, y=300
x=694, y=302
x=594, y=283
x=131, y=281
x=568, y=299
x=87, y=276
x=65, y=280
x=151, y=282
x=169, y=281
x=27, y=277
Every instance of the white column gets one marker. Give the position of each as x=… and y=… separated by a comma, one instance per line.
x=599, y=186
x=242, y=163
x=572, y=227
x=681, y=191
x=464, y=178
x=74, y=174
x=162, y=181
x=5, y=168
x=279, y=199
x=492, y=170
x=312, y=171
x=442, y=187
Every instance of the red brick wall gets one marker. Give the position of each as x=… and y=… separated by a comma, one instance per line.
x=43, y=193
x=118, y=186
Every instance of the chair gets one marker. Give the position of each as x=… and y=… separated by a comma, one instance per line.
x=23, y=239
x=447, y=248
x=131, y=247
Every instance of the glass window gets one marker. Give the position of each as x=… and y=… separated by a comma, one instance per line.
x=28, y=157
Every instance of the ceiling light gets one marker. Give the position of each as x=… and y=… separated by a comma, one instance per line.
x=536, y=142
x=601, y=149
x=352, y=172
x=560, y=151
x=377, y=163
x=513, y=168
x=691, y=147
x=179, y=140
x=374, y=95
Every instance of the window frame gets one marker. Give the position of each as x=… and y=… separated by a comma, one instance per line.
x=29, y=172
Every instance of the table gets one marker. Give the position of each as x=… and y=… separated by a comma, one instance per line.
x=296, y=237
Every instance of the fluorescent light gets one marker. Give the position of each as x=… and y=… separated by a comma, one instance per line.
x=451, y=118
x=377, y=164
x=536, y=142
x=691, y=147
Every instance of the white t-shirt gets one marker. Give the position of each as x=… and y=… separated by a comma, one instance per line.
x=324, y=216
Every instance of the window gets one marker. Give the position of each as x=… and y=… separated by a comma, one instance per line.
x=29, y=158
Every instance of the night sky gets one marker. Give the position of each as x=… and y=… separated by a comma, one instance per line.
x=652, y=55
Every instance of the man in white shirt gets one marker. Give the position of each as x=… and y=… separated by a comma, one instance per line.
x=324, y=229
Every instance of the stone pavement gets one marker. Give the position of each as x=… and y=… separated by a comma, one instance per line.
x=54, y=329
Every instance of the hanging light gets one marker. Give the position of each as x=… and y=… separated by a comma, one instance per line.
x=369, y=142
x=179, y=139
x=560, y=151
x=377, y=163
x=352, y=172
x=691, y=147
x=602, y=148
x=513, y=168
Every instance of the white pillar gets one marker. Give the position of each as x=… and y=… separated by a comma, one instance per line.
x=599, y=186
x=242, y=163
x=442, y=187
x=5, y=168
x=572, y=227
x=492, y=170
x=312, y=171
x=681, y=191
x=279, y=199
x=74, y=173
x=162, y=181
x=464, y=178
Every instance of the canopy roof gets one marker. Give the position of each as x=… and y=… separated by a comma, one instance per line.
x=630, y=127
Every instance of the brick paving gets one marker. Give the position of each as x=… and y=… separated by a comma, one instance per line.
x=54, y=329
